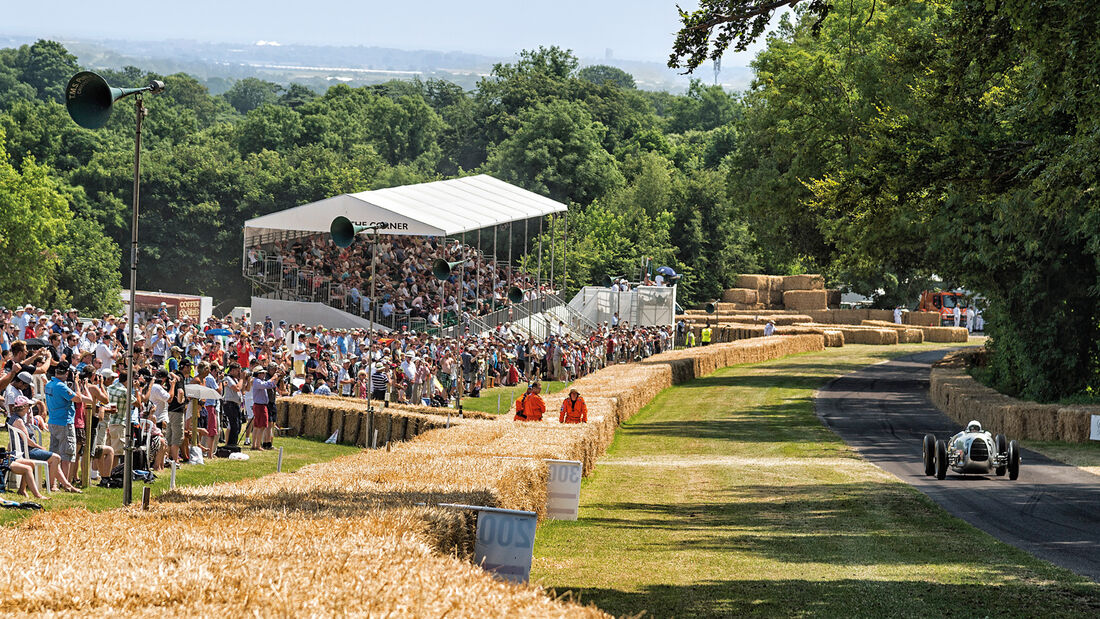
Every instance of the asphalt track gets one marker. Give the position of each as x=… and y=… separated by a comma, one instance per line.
x=1051, y=511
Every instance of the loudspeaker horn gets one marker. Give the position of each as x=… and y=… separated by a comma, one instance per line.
x=343, y=231
x=442, y=269
x=88, y=98
x=711, y=307
x=515, y=295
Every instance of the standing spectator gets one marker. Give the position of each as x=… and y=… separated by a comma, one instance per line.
x=705, y=339
x=769, y=329
x=62, y=414
x=121, y=413
x=970, y=319
x=260, y=387
x=897, y=315
x=378, y=381
x=956, y=312
x=232, y=387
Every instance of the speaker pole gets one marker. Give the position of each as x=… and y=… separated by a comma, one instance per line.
x=128, y=448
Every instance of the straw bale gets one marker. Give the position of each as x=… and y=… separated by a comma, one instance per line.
x=833, y=338
x=740, y=295
x=1075, y=423
x=921, y=319
x=755, y=282
x=803, y=282
x=349, y=429
x=832, y=298
x=295, y=414
x=880, y=314
x=805, y=300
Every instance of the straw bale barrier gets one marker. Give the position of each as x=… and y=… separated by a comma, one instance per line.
x=360, y=534
x=906, y=334
x=740, y=295
x=963, y=398
x=803, y=282
x=863, y=335
x=833, y=298
x=931, y=334
x=802, y=300
x=734, y=307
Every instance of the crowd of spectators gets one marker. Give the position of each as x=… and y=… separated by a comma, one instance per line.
x=406, y=286
x=68, y=376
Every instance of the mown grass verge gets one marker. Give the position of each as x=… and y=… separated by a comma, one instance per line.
x=726, y=496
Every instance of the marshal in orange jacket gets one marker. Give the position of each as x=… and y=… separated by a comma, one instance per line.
x=573, y=412
x=533, y=407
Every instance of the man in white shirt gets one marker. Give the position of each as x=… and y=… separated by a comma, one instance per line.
x=956, y=312
x=105, y=356
x=970, y=319
x=897, y=315
x=160, y=396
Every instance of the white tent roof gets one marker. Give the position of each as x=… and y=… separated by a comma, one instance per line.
x=428, y=209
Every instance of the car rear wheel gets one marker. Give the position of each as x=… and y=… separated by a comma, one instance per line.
x=929, y=452
x=1013, y=460
x=941, y=460
x=1002, y=450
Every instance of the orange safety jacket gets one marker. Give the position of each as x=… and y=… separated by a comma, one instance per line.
x=520, y=414
x=533, y=408
x=573, y=412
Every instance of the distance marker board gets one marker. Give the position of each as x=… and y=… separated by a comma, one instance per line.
x=505, y=541
x=563, y=489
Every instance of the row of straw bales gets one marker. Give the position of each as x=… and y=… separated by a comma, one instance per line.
x=774, y=291
x=931, y=334
x=963, y=398
x=362, y=534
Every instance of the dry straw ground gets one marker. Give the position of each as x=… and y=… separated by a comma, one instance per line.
x=963, y=398
x=359, y=535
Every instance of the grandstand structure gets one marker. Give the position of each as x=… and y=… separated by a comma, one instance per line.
x=297, y=274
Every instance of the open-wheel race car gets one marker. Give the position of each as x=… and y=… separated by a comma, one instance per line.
x=971, y=452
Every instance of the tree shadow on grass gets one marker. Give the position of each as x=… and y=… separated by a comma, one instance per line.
x=843, y=598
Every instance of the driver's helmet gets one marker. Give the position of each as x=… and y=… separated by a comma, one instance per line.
x=974, y=426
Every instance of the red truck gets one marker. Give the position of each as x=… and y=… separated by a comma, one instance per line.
x=944, y=303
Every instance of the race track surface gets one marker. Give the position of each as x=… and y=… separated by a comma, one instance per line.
x=1051, y=511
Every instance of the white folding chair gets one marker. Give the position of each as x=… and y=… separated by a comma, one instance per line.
x=19, y=442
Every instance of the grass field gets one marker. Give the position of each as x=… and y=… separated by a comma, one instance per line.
x=1085, y=456
x=297, y=452
x=727, y=497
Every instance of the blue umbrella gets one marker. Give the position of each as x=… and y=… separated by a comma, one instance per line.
x=666, y=271
x=219, y=332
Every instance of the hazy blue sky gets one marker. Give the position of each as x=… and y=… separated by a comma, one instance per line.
x=634, y=29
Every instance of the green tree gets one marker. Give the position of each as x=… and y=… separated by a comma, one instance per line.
x=606, y=74
x=556, y=151
x=33, y=212
x=250, y=93
x=88, y=277
x=46, y=66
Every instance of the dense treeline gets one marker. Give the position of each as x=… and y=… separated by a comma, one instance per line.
x=642, y=171
x=895, y=139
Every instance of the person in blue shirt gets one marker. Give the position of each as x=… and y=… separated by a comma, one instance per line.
x=61, y=416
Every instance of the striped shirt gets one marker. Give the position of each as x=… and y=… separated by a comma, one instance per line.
x=378, y=381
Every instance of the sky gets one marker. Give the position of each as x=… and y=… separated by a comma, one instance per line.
x=632, y=29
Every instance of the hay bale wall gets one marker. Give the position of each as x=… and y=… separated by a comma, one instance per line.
x=963, y=398
x=932, y=334
x=921, y=319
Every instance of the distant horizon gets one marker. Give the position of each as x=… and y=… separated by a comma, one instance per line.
x=632, y=31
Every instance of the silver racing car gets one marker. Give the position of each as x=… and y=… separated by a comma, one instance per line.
x=971, y=452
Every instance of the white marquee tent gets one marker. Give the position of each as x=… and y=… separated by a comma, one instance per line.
x=440, y=208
